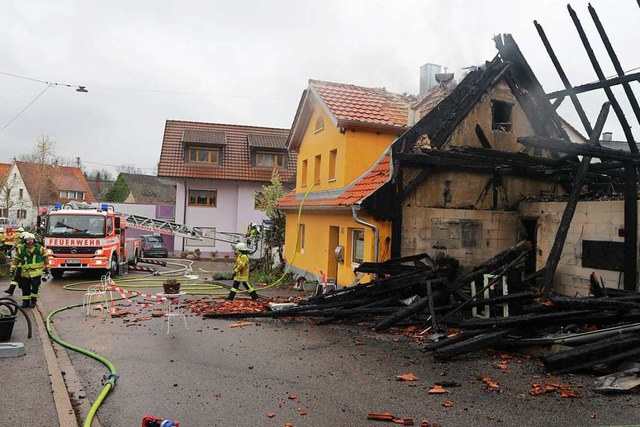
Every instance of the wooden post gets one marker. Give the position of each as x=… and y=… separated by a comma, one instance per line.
x=546, y=281
x=630, y=228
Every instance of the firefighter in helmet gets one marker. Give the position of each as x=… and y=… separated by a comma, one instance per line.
x=31, y=258
x=3, y=238
x=252, y=232
x=241, y=273
x=17, y=238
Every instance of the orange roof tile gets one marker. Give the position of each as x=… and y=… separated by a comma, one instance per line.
x=4, y=170
x=236, y=155
x=355, y=193
x=49, y=180
x=353, y=103
x=428, y=100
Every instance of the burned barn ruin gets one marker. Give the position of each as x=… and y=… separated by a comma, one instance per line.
x=507, y=225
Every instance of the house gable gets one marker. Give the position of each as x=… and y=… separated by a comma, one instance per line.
x=49, y=184
x=217, y=151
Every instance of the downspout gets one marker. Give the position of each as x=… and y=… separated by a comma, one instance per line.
x=184, y=210
x=376, y=232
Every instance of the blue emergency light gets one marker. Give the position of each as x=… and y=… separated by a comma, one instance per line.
x=104, y=206
x=57, y=205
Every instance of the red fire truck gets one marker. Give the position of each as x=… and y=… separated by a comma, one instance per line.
x=83, y=237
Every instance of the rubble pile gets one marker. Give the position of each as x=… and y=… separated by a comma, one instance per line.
x=471, y=312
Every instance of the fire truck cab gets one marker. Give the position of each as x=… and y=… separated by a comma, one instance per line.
x=85, y=237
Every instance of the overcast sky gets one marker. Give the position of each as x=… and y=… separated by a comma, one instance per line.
x=247, y=62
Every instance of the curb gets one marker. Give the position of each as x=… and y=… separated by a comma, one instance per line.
x=59, y=383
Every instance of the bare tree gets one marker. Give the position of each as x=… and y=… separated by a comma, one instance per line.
x=99, y=175
x=43, y=154
x=128, y=168
x=6, y=185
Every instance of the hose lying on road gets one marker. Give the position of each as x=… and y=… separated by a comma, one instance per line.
x=111, y=378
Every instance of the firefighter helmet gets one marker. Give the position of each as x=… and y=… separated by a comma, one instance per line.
x=27, y=236
x=20, y=230
x=1, y=229
x=242, y=247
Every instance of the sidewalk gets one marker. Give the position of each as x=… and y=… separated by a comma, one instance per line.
x=33, y=390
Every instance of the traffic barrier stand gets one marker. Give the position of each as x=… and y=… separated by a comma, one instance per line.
x=141, y=268
x=153, y=261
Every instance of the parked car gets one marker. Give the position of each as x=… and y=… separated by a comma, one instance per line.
x=153, y=246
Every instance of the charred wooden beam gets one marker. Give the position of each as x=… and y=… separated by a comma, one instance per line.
x=396, y=224
x=593, y=86
x=635, y=107
x=475, y=343
x=488, y=266
x=630, y=260
x=565, y=80
x=516, y=158
x=452, y=340
x=397, y=265
x=588, y=355
x=602, y=303
x=306, y=313
x=340, y=313
x=527, y=89
x=617, y=109
x=546, y=282
x=602, y=153
x=415, y=182
x=529, y=320
x=482, y=137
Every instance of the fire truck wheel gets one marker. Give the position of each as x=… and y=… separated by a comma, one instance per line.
x=113, y=266
x=57, y=273
x=135, y=259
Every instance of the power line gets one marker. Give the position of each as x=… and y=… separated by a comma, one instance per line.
x=114, y=166
x=25, y=108
x=41, y=81
x=179, y=92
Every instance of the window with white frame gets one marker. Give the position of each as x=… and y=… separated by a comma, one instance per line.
x=20, y=193
x=4, y=212
x=357, y=245
x=75, y=195
x=22, y=214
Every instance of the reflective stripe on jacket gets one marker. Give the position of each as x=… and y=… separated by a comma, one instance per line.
x=31, y=261
x=241, y=268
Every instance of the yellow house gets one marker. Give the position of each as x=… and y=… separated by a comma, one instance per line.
x=342, y=134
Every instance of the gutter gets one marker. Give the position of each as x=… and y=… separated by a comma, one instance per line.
x=376, y=232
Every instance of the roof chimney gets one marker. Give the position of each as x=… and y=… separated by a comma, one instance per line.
x=607, y=136
x=428, y=76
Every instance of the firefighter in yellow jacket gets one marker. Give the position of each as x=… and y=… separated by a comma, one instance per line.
x=241, y=273
x=31, y=258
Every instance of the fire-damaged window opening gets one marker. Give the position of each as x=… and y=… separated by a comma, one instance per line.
x=456, y=233
x=501, y=115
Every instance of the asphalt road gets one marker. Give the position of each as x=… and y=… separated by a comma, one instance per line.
x=306, y=374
